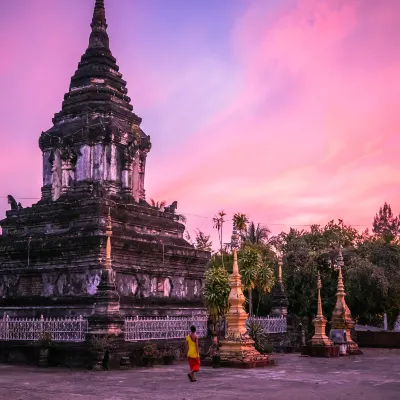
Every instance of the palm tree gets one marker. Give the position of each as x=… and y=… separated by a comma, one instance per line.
x=218, y=221
x=159, y=205
x=216, y=292
x=255, y=271
x=240, y=221
x=249, y=261
x=255, y=234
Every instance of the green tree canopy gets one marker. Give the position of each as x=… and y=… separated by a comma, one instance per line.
x=386, y=225
x=216, y=291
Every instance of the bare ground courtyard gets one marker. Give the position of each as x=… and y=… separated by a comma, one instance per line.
x=374, y=375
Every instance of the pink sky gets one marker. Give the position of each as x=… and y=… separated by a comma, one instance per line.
x=284, y=111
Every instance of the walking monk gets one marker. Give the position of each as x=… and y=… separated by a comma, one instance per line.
x=192, y=349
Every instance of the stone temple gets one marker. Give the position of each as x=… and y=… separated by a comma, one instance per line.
x=94, y=159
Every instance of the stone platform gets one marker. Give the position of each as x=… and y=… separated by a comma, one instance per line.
x=371, y=376
x=267, y=362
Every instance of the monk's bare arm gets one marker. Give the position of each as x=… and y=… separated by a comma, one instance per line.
x=197, y=346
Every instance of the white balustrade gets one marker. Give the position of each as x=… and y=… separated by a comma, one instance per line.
x=61, y=329
x=156, y=328
x=271, y=324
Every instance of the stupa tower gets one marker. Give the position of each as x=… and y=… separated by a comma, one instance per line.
x=94, y=160
x=96, y=144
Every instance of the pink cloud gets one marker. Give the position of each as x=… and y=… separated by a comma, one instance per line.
x=300, y=127
x=327, y=148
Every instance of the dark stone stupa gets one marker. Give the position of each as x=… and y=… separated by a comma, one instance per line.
x=94, y=158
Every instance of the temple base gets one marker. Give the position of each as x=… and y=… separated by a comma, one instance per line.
x=321, y=351
x=352, y=348
x=240, y=353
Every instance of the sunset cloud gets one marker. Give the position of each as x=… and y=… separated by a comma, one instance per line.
x=288, y=114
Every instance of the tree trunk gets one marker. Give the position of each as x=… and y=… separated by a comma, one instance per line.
x=222, y=252
x=250, y=302
x=258, y=304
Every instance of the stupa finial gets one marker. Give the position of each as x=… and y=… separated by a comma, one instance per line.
x=319, y=286
x=280, y=280
x=340, y=264
x=235, y=246
x=99, y=36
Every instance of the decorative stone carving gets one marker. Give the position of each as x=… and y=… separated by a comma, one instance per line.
x=167, y=287
x=68, y=163
x=12, y=203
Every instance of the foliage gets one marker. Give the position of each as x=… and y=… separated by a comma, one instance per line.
x=240, y=221
x=213, y=350
x=100, y=343
x=385, y=225
x=371, y=273
x=371, y=266
x=216, y=291
x=218, y=223
x=255, y=271
x=202, y=241
x=167, y=351
x=158, y=204
x=150, y=351
x=45, y=339
x=255, y=234
x=256, y=332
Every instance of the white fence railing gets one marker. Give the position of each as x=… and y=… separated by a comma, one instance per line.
x=271, y=324
x=155, y=328
x=135, y=329
x=60, y=329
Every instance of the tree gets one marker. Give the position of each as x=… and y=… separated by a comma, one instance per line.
x=240, y=221
x=255, y=234
x=385, y=225
x=159, y=205
x=255, y=272
x=386, y=257
x=203, y=241
x=218, y=222
x=216, y=291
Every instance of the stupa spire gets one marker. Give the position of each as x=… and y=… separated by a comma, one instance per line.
x=319, y=285
x=99, y=36
x=108, y=234
x=319, y=322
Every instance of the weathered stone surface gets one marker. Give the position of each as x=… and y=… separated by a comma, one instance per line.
x=94, y=159
x=369, y=377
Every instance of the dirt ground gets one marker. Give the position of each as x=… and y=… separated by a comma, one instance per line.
x=374, y=375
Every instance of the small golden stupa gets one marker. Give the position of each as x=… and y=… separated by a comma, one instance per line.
x=319, y=322
x=237, y=348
